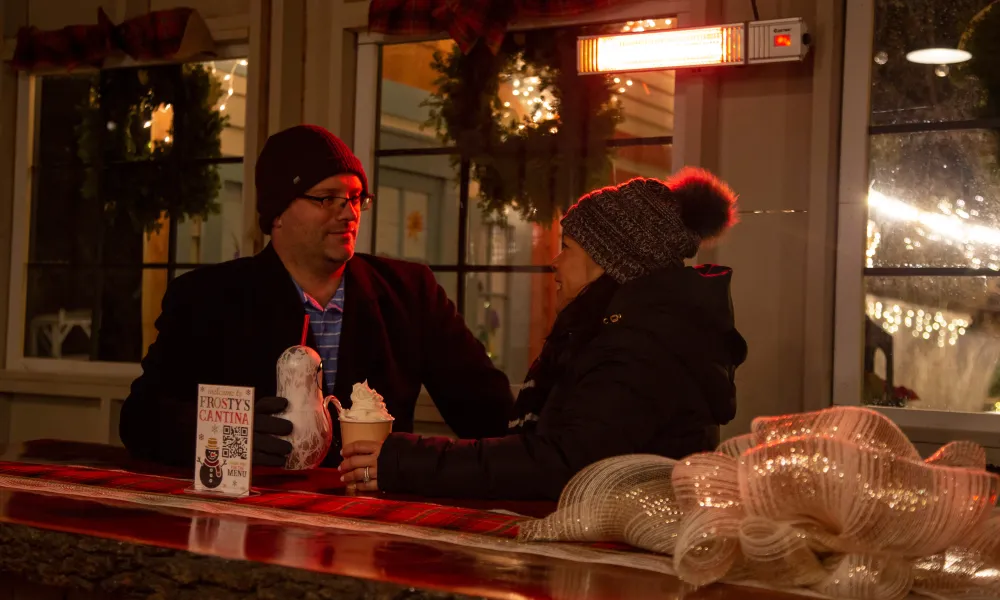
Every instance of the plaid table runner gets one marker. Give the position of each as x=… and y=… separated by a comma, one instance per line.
x=392, y=512
x=420, y=520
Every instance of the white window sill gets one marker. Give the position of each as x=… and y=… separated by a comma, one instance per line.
x=931, y=429
x=953, y=422
x=73, y=385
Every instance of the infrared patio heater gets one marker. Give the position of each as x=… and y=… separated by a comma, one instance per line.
x=749, y=43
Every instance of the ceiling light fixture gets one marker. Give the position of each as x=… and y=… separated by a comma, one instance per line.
x=938, y=56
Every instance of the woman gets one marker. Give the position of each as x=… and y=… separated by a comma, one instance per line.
x=641, y=358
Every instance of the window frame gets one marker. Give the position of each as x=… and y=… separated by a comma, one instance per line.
x=923, y=425
x=28, y=105
x=366, y=127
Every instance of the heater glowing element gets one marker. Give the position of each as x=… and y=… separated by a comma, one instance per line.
x=778, y=40
x=678, y=48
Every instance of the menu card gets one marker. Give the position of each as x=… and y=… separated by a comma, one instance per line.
x=224, y=450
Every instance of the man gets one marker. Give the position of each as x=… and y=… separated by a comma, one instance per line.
x=375, y=319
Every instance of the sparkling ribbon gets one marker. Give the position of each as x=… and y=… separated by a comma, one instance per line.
x=837, y=501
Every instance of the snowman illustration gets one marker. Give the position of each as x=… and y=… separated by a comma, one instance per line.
x=211, y=471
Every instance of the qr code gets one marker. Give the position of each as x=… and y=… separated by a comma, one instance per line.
x=234, y=442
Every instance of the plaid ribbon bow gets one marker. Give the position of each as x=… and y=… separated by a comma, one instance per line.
x=468, y=21
x=155, y=35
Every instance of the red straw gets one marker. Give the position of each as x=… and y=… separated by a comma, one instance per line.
x=305, y=330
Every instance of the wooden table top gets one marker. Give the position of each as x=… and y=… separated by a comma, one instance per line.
x=370, y=556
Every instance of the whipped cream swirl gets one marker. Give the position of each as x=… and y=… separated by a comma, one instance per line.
x=367, y=406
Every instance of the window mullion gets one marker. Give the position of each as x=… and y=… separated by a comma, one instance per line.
x=97, y=308
x=465, y=175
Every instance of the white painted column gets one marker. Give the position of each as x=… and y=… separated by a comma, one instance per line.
x=852, y=206
x=330, y=63
x=821, y=244
x=287, y=57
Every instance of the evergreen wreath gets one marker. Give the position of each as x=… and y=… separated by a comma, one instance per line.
x=540, y=163
x=134, y=178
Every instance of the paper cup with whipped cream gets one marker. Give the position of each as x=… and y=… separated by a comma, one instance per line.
x=367, y=419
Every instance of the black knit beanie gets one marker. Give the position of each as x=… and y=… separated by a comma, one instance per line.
x=293, y=161
x=644, y=224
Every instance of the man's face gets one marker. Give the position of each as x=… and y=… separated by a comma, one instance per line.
x=323, y=230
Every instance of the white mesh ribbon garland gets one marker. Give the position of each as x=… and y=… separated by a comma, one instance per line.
x=837, y=501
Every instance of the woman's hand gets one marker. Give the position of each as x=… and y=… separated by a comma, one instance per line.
x=360, y=465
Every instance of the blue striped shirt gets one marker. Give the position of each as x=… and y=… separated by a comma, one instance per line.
x=326, y=324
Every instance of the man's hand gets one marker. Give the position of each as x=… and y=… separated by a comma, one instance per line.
x=268, y=449
x=360, y=465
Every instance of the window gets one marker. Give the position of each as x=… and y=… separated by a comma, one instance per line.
x=478, y=156
x=136, y=177
x=932, y=272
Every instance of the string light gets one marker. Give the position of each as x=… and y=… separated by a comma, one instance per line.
x=537, y=102
x=621, y=88
x=530, y=89
x=874, y=237
x=923, y=323
x=230, y=78
x=644, y=25
x=950, y=225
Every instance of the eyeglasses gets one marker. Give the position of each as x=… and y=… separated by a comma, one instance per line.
x=362, y=202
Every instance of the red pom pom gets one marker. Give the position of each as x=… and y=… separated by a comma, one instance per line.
x=708, y=205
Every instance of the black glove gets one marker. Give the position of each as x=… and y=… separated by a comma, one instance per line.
x=268, y=449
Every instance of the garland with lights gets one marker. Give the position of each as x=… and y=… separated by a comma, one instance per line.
x=942, y=326
x=135, y=177
x=538, y=162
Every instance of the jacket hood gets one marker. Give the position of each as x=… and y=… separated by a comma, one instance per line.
x=690, y=313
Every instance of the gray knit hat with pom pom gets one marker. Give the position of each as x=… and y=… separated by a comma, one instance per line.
x=644, y=225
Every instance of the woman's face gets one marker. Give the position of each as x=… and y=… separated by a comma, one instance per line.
x=574, y=271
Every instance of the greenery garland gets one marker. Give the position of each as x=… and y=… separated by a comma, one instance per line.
x=536, y=166
x=981, y=40
x=134, y=178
